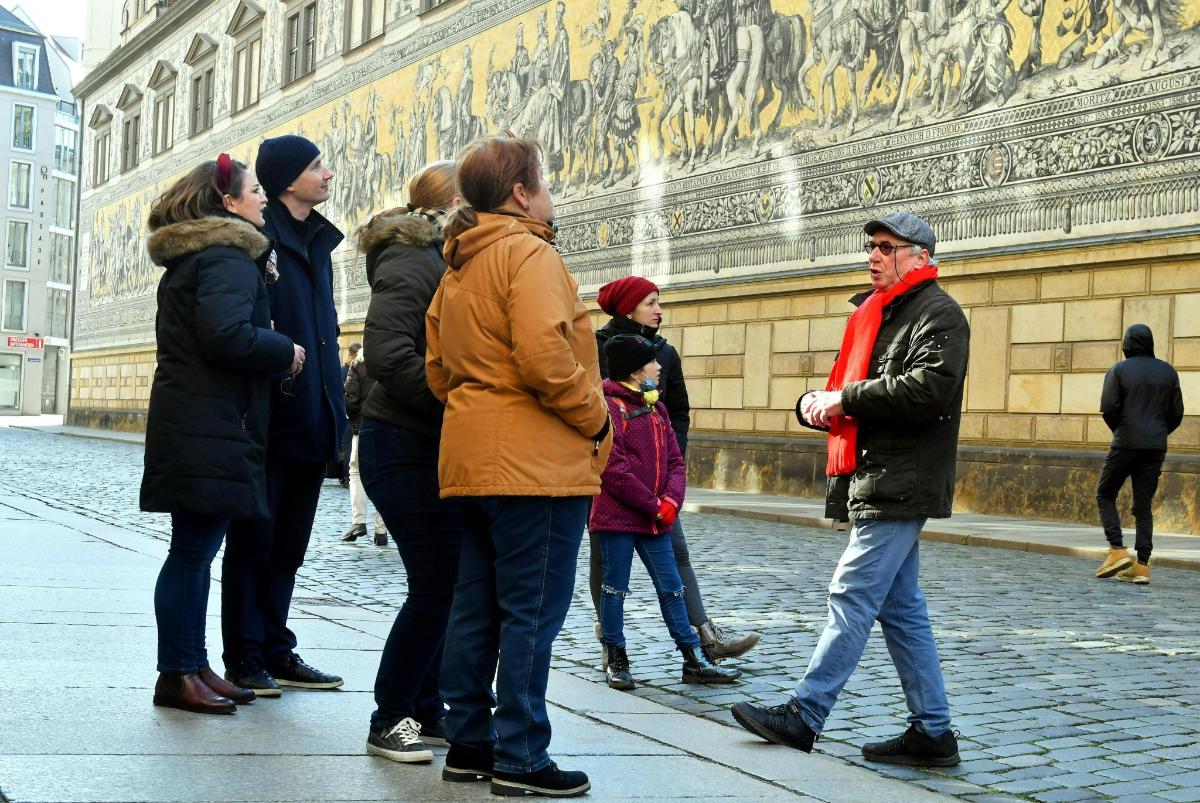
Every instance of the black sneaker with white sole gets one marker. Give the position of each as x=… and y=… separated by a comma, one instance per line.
x=466, y=763
x=297, y=674
x=433, y=732
x=254, y=677
x=401, y=742
x=549, y=781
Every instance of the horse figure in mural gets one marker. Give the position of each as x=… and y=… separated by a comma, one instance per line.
x=930, y=44
x=785, y=40
x=451, y=130
x=842, y=33
x=680, y=56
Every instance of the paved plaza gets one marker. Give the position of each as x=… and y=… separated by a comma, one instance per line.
x=1063, y=687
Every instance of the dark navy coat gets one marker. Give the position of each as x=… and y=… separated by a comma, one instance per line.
x=307, y=422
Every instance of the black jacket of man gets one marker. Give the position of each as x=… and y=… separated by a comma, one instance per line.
x=1141, y=401
x=672, y=388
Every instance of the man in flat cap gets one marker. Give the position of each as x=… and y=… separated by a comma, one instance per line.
x=891, y=408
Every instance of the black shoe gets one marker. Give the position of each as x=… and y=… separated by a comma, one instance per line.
x=355, y=532
x=549, y=781
x=467, y=763
x=254, y=677
x=381, y=539
x=697, y=668
x=616, y=665
x=434, y=732
x=400, y=742
x=294, y=672
x=914, y=748
x=780, y=724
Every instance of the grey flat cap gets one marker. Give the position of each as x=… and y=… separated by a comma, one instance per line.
x=906, y=226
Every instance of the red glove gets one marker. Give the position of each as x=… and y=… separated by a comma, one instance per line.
x=667, y=512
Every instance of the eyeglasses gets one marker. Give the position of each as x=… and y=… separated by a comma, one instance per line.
x=288, y=386
x=884, y=248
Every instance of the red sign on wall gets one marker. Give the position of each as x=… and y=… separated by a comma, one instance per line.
x=15, y=342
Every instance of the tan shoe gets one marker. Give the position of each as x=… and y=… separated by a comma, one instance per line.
x=1138, y=573
x=1117, y=560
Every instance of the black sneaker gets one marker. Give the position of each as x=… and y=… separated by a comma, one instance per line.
x=781, y=724
x=402, y=742
x=433, y=732
x=915, y=749
x=467, y=763
x=549, y=781
x=254, y=677
x=294, y=672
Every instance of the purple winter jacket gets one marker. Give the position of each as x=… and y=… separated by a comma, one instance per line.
x=644, y=467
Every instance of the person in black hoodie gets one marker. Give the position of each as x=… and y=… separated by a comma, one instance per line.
x=1142, y=404
x=398, y=449
x=206, y=430
x=308, y=416
x=633, y=303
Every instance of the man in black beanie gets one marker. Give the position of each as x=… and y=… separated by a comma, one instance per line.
x=308, y=417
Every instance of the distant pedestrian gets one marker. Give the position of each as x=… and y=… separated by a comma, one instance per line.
x=634, y=304
x=398, y=457
x=308, y=416
x=512, y=353
x=892, y=408
x=358, y=386
x=1142, y=404
x=206, y=431
x=642, y=489
x=351, y=355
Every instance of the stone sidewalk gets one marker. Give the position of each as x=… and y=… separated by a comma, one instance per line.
x=77, y=642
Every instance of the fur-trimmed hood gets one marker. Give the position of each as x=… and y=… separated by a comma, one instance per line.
x=175, y=240
x=403, y=229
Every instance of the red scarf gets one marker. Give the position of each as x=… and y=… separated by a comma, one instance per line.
x=854, y=361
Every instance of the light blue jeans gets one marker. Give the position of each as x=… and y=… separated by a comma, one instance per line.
x=877, y=579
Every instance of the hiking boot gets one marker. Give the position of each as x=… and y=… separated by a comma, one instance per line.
x=465, y=763
x=256, y=678
x=549, y=781
x=294, y=672
x=719, y=645
x=780, y=724
x=617, y=669
x=381, y=538
x=698, y=669
x=401, y=742
x=355, y=532
x=1117, y=560
x=1138, y=574
x=433, y=732
x=913, y=748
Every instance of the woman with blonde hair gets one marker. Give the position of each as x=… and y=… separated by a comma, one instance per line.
x=206, y=430
x=398, y=460
x=512, y=353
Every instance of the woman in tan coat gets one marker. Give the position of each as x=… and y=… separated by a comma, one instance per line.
x=512, y=354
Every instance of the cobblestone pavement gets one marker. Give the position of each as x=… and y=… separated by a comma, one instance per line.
x=1063, y=687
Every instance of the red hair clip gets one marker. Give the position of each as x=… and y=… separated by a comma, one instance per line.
x=224, y=171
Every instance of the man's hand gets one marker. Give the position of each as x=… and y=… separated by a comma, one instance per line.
x=821, y=406
x=297, y=358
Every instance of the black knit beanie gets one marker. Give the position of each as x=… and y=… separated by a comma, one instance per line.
x=628, y=354
x=281, y=160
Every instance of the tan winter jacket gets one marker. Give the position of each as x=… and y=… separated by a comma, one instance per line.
x=512, y=353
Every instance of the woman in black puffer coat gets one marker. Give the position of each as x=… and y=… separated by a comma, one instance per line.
x=209, y=404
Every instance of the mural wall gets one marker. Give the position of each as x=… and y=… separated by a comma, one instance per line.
x=704, y=139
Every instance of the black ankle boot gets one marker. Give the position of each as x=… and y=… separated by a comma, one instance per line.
x=698, y=669
x=467, y=763
x=617, y=668
x=549, y=781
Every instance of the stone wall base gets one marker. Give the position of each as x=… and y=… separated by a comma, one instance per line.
x=1055, y=485
x=119, y=420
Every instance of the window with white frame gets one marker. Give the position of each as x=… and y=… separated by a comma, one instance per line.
x=16, y=250
x=62, y=258
x=25, y=65
x=13, y=319
x=65, y=143
x=100, y=149
x=247, y=72
x=164, y=120
x=300, y=44
x=202, y=100
x=19, y=177
x=23, y=117
x=364, y=21
x=64, y=204
x=131, y=140
x=58, y=312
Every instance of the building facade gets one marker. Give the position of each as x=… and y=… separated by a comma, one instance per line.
x=730, y=150
x=39, y=167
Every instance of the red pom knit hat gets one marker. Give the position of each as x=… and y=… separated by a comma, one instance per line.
x=619, y=298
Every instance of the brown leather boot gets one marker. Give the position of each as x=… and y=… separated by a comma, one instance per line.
x=226, y=689
x=190, y=693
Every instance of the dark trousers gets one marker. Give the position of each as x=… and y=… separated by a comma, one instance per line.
x=1144, y=467
x=399, y=472
x=516, y=575
x=258, y=573
x=683, y=562
x=655, y=551
x=181, y=593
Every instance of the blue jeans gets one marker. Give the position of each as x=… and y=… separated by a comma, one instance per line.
x=399, y=472
x=516, y=574
x=877, y=579
x=656, y=552
x=181, y=593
